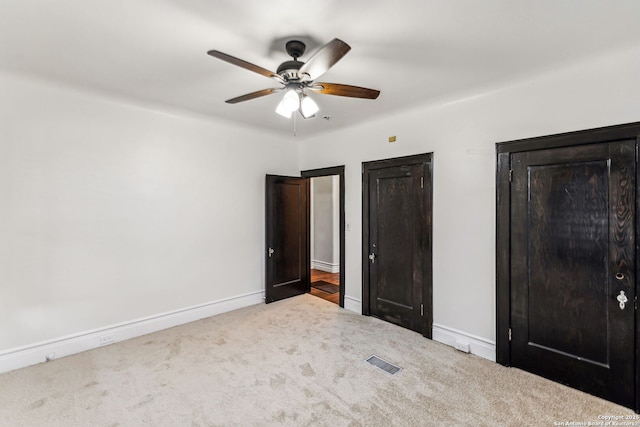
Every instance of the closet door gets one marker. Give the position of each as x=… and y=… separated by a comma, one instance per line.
x=573, y=266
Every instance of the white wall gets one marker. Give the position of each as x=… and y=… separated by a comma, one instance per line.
x=600, y=92
x=111, y=212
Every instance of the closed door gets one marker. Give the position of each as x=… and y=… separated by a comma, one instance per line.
x=287, y=236
x=573, y=266
x=398, y=242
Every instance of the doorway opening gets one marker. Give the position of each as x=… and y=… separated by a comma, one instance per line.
x=326, y=238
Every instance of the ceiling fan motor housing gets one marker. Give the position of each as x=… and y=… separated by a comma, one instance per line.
x=289, y=69
x=295, y=48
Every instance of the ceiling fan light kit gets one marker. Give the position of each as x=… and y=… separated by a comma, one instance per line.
x=280, y=109
x=296, y=76
x=291, y=100
x=308, y=107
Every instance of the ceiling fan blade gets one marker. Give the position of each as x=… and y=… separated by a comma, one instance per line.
x=244, y=64
x=252, y=95
x=344, y=90
x=325, y=58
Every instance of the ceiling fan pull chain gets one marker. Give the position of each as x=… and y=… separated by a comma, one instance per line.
x=294, y=124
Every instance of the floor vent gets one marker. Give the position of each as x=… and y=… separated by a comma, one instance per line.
x=384, y=365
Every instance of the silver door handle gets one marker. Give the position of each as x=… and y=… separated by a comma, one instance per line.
x=622, y=299
x=270, y=251
x=372, y=257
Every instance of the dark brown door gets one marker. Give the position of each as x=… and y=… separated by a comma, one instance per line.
x=399, y=245
x=572, y=266
x=287, y=236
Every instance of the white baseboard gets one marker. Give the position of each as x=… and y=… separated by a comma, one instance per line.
x=352, y=304
x=325, y=266
x=479, y=346
x=22, y=357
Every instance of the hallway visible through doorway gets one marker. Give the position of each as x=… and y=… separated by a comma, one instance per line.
x=329, y=294
x=326, y=233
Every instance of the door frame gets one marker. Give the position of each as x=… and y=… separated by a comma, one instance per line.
x=503, y=222
x=330, y=171
x=427, y=291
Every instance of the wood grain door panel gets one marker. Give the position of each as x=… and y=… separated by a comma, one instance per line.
x=287, y=236
x=396, y=275
x=397, y=239
x=572, y=253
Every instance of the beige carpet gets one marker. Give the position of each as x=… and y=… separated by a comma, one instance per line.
x=298, y=362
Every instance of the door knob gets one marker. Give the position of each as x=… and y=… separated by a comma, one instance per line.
x=372, y=257
x=270, y=251
x=622, y=299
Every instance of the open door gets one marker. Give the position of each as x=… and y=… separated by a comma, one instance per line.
x=287, y=237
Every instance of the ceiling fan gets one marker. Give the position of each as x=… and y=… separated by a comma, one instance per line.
x=297, y=76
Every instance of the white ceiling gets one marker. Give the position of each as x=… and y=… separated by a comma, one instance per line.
x=414, y=51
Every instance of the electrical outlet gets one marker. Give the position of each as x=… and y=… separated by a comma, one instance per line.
x=463, y=346
x=106, y=340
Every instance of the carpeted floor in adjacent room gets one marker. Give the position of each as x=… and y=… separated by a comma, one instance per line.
x=297, y=362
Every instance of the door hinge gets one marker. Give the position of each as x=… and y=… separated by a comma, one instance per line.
x=421, y=309
x=509, y=334
x=422, y=182
x=635, y=303
x=510, y=175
